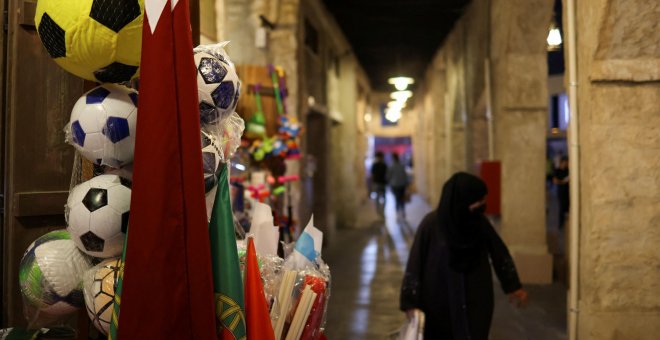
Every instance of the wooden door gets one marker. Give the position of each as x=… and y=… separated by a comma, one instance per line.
x=38, y=162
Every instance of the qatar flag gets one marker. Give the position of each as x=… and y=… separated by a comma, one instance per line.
x=167, y=285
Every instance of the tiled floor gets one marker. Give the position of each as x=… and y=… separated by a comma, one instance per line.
x=367, y=265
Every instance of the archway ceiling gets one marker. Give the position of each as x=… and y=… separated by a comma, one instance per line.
x=395, y=36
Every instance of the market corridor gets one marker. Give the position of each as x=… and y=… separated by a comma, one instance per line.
x=370, y=259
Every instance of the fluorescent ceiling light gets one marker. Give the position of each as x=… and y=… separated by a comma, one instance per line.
x=401, y=83
x=401, y=96
x=554, y=38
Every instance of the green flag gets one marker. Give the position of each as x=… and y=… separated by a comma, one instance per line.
x=114, y=321
x=227, y=282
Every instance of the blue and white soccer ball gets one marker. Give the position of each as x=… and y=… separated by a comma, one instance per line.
x=97, y=214
x=211, y=157
x=103, y=123
x=218, y=85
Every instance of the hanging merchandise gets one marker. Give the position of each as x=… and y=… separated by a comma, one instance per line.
x=99, y=286
x=50, y=275
x=95, y=40
x=276, y=89
x=211, y=157
x=218, y=85
x=256, y=127
x=97, y=213
x=102, y=125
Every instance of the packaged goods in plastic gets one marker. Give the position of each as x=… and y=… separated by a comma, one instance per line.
x=97, y=214
x=217, y=83
x=96, y=40
x=103, y=125
x=50, y=275
x=99, y=285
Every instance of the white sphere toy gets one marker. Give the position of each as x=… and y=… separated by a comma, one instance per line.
x=100, y=286
x=51, y=272
x=211, y=156
x=217, y=83
x=103, y=123
x=97, y=213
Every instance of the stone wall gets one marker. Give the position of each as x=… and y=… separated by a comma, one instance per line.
x=507, y=35
x=619, y=121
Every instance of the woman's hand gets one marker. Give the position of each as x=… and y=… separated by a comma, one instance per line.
x=519, y=297
x=410, y=313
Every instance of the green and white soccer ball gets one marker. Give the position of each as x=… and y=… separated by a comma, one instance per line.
x=51, y=272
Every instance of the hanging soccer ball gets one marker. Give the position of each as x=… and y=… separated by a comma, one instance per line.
x=97, y=213
x=217, y=84
x=100, y=289
x=211, y=156
x=103, y=123
x=50, y=274
x=98, y=40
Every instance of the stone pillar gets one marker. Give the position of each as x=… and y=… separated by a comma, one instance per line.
x=520, y=103
x=345, y=184
x=619, y=123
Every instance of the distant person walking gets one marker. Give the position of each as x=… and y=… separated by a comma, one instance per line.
x=560, y=179
x=397, y=178
x=448, y=275
x=379, y=180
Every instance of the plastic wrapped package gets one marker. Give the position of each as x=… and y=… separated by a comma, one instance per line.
x=313, y=294
x=99, y=284
x=217, y=83
x=320, y=283
x=271, y=275
x=50, y=278
x=299, y=311
x=103, y=124
x=97, y=214
x=227, y=135
x=219, y=143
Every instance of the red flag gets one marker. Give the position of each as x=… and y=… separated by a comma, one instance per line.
x=256, y=308
x=168, y=284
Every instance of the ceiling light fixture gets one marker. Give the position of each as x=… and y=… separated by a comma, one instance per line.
x=401, y=96
x=393, y=115
x=396, y=105
x=554, y=38
x=401, y=83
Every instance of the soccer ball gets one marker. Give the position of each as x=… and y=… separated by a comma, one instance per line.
x=97, y=213
x=218, y=85
x=98, y=40
x=211, y=157
x=51, y=272
x=103, y=123
x=100, y=286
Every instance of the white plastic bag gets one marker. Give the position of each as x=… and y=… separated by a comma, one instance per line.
x=413, y=329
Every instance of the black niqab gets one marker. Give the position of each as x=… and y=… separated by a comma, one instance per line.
x=463, y=227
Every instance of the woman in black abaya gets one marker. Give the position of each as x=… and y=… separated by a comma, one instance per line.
x=448, y=275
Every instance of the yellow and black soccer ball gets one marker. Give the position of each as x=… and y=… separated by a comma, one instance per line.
x=98, y=40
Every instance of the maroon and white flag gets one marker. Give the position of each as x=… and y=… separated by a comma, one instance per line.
x=167, y=290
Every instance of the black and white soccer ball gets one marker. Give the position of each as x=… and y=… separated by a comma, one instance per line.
x=211, y=159
x=218, y=85
x=97, y=215
x=103, y=124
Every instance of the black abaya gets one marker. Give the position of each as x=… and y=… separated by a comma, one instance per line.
x=458, y=303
